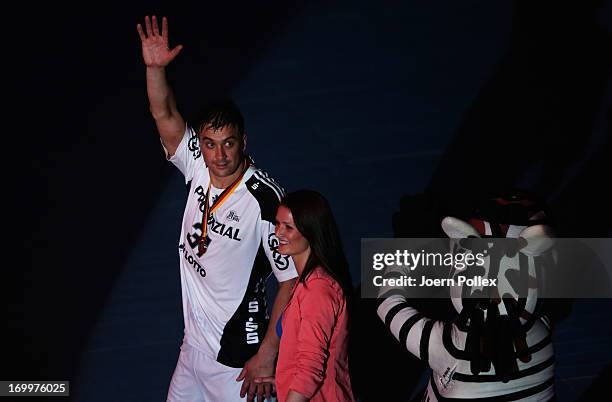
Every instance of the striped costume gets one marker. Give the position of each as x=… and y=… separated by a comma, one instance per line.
x=495, y=348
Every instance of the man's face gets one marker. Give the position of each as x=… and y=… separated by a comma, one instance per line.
x=223, y=150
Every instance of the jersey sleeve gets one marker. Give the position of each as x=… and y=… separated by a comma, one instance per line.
x=268, y=194
x=282, y=265
x=187, y=155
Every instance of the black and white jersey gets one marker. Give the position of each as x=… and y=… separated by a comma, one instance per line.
x=442, y=345
x=223, y=289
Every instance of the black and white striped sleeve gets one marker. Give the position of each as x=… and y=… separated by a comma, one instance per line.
x=420, y=335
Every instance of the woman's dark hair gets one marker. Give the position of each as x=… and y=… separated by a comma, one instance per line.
x=314, y=220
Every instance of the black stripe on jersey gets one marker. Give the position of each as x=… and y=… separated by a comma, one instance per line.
x=265, y=177
x=266, y=180
x=462, y=355
x=424, y=346
x=538, y=346
x=393, y=311
x=266, y=196
x=405, y=329
x=386, y=295
x=392, y=274
x=515, y=396
x=496, y=378
x=447, y=340
x=462, y=324
x=535, y=315
x=238, y=340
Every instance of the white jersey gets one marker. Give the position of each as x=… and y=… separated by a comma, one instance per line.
x=223, y=290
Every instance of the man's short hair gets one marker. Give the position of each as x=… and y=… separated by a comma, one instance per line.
x=221, y=113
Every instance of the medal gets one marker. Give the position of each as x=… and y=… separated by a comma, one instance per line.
x=205, y=240
x=203, y=245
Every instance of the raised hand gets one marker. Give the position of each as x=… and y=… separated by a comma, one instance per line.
x=155, y=49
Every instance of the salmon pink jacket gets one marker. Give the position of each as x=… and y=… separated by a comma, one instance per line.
x=312, y=357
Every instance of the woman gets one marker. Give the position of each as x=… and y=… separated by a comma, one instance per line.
x=313, y=363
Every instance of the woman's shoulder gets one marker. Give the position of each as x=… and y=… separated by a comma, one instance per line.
x=320, y=278
x=320, y=292
x=320, y=273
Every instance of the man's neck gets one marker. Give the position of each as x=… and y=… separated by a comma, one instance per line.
x=224, y=182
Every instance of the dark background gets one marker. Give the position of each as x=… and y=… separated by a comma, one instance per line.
x=399, y=112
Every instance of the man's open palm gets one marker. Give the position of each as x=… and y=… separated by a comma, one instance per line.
x=155, y=49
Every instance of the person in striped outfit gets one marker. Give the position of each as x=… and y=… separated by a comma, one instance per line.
x=497, y=345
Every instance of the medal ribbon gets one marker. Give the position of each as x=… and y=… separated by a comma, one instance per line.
x=209, y=210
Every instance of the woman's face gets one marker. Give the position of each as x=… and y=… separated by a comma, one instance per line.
x=291, y=241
